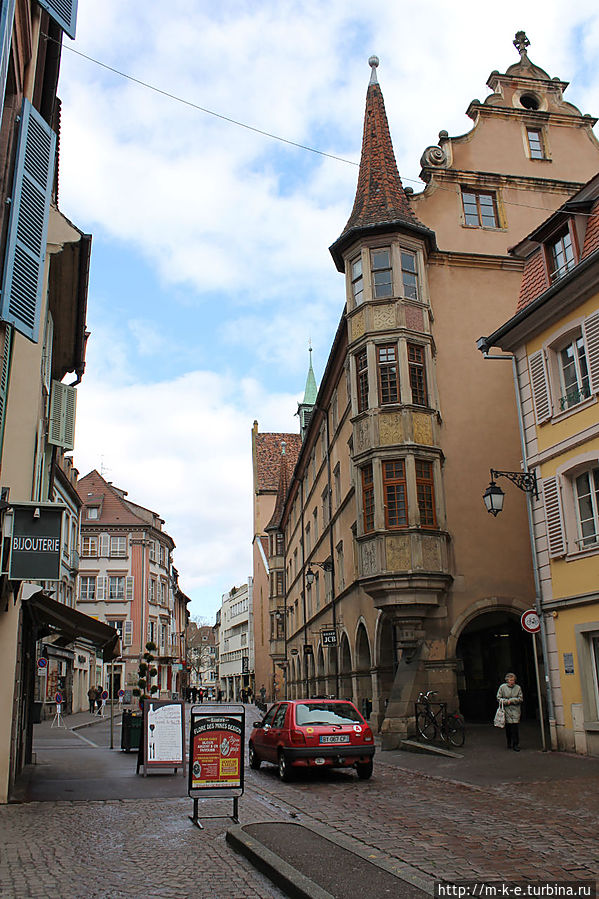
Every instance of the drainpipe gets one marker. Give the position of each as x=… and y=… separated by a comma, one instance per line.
x=331, y=552
x=535, y=564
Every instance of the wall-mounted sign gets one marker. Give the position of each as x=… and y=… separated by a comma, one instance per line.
x=568, y=663
x=245, y=665
x=35, y=542
x=42, y=663
x=308, y=651
x=329, y=637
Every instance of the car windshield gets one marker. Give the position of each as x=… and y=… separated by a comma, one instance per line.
x=325, y=713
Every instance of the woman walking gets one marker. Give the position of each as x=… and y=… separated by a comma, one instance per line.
x=511, y=694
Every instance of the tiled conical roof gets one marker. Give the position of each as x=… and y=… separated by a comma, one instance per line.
x=380, y=197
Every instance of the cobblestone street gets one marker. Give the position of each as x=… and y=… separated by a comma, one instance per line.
x=540, y=827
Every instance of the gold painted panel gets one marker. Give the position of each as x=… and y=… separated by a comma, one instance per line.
x=423, y=429
x=384, y=317
x=390, y=428
x=399, y=554
x=431, y=554
x=357, y=325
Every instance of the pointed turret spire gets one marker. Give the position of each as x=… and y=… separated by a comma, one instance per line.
x=306, y=407
x=381, y=202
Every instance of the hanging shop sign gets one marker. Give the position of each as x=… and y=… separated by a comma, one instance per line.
x=216, y=755
x=245, y=665
x=36, y=541
x=329, y=637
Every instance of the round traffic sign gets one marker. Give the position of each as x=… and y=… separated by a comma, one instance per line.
x=530, y=621
x=104, y=694
x=42, y=663
x=58, y=698
x=121, y=692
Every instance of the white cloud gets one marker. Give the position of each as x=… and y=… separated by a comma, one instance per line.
x=241, y=223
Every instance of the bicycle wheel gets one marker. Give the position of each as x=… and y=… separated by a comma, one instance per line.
x=453, y=731
x=426, y=726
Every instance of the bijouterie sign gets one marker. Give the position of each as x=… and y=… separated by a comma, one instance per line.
x=216, y=759
x=35, y=542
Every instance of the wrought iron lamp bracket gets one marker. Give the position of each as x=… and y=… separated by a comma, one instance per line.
x=524, y=480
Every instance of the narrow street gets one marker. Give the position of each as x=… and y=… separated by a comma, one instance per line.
x=530, y=817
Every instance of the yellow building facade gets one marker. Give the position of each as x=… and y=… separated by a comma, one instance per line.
x=554, y=336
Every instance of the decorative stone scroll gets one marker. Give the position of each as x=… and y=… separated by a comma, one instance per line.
x=368, y=558
x=390, y=428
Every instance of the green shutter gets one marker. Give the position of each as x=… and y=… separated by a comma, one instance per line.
x=25, y=253
x=64, y=13
x=61, y=431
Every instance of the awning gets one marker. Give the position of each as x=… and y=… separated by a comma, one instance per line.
x=51, y=617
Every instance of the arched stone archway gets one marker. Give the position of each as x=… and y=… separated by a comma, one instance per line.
x=345, y=669
x=490, y=644
x=386, y=665
x=363, y=664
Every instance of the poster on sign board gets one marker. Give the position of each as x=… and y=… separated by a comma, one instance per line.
x=163, y=734
x=216, y=751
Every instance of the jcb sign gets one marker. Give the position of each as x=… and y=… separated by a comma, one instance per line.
x=329, y=637
x=36, y=541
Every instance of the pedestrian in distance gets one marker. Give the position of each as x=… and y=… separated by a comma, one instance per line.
x=511, y=694
x=98, y=699
x=262, y=694
x=219, y=695
x=200, y=695
x=91, y=696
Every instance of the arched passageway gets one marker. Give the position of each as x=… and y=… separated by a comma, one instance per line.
x=490, y=645
x=363, y=675
x=345, y=684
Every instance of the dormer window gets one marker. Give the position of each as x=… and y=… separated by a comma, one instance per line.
x=93, y=513
x=561, y=251
x=380, y=263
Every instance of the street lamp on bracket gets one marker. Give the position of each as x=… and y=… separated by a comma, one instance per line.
x=494, y=495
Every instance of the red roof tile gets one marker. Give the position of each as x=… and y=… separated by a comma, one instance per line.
x=534, y=279
x=268, y=458
x=591, y=238
x=114, y=510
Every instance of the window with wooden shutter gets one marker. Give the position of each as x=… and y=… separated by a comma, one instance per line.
x=540, y=386
x=22, y=282
x=7, y=14
x=64, y=13
x=63, y=401
x=104, y=544
x=591, y=336
x=129, y=588
x=127, y=633
x=101, y=588
x=554, y=518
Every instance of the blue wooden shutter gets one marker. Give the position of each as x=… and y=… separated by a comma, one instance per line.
x=4, y=373
x=28, y=227
x=64, y=13
x=61, y=429
x=7, y=14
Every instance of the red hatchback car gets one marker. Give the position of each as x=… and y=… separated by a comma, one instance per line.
x=307, y=733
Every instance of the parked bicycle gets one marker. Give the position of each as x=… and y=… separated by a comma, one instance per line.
x=429, y=723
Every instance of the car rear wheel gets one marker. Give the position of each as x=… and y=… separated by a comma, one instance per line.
x=364, y=770
x=284, y=768
x=255, y=762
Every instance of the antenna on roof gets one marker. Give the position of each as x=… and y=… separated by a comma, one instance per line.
x=103, y=468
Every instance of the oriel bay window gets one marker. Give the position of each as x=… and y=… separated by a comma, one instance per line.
x=425, y=491
x=417, y=369
x=380, y=263
x=409, y=274
x=362, y=380
x=394, y=492
x=368, y=498
x=388, y=378
x=357, y=280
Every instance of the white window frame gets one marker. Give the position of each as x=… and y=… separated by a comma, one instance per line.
x=116, y=594
x=118, y=547
x=93, y=541
x=84, y=594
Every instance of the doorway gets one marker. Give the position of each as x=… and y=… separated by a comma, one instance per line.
x=489, y=646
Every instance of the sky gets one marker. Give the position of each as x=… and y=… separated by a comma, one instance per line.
x=210, y=272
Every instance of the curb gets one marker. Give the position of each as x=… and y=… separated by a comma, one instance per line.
x=297, y=885
x=282, y=874
x=96, y=720
x=427, y=749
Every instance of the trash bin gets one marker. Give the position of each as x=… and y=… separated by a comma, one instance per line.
x=131, y=730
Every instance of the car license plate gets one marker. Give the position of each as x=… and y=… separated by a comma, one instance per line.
x=336, y=738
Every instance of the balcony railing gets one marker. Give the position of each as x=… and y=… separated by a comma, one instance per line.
x=573, y=396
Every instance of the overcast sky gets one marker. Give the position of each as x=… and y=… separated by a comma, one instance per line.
x=210, y=265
